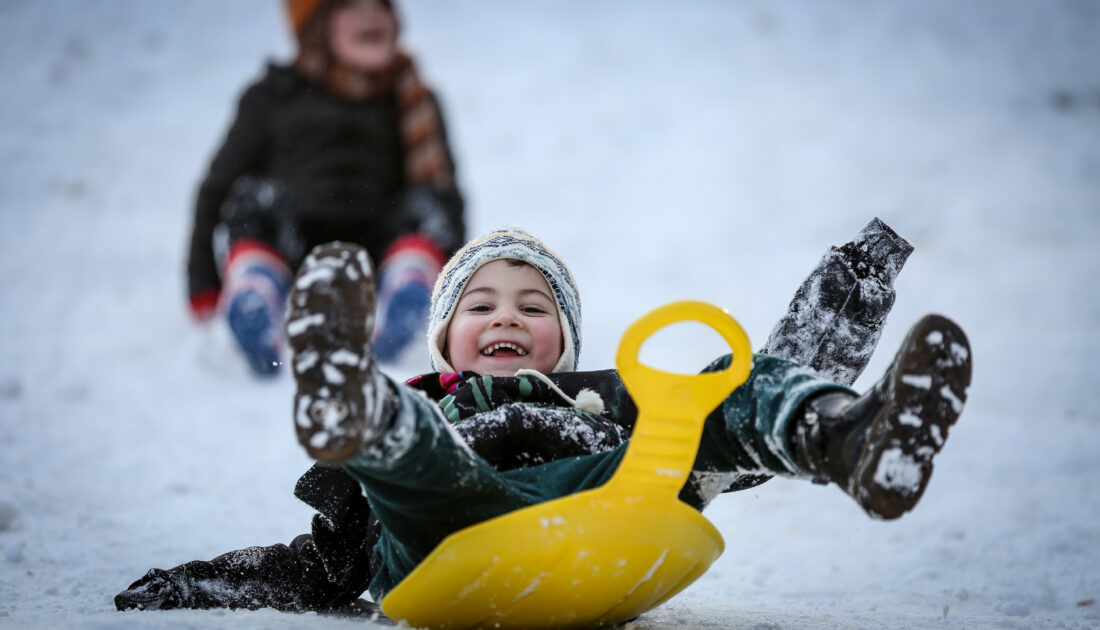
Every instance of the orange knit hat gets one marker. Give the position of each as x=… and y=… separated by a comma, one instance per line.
x=299, y=12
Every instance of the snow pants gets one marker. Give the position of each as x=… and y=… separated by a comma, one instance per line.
x=424, y=483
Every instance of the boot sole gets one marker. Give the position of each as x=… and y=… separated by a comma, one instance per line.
x=929, y=386
x=329, y=322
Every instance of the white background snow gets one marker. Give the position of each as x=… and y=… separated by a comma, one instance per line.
x=668, y=150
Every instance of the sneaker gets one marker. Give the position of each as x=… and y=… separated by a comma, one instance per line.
x=329, y=322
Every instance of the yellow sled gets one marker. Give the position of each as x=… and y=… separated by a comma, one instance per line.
x=602, y=556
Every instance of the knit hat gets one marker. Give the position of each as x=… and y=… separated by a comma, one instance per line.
x=502, y=244
x=299, y=12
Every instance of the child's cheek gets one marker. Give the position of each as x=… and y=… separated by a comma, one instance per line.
x=456, y=346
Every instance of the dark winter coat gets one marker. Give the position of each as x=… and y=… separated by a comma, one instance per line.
x=334, y=159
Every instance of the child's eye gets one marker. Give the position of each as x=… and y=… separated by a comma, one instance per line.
x=534, y=310
x=480, y=308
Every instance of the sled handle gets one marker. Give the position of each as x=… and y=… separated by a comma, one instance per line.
x=673, y=407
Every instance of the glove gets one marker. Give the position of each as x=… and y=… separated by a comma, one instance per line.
x=154, y=591
x=434, y=214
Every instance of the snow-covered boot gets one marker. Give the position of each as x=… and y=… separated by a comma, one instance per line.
x=340, y=392
x=406, y=276
x=879, y=447
x=256, y=287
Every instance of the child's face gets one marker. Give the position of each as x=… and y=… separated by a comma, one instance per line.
x=506, y=320
x=363, y=35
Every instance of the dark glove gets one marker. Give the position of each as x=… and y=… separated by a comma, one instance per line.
x=154, y=591
x=435, y=214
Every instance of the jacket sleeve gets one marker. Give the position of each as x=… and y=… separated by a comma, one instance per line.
x=242, y=152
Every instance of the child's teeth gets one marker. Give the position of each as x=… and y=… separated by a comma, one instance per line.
x=497, y=346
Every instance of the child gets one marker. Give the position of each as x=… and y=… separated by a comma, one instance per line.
x=497, y=316
x=346, y=144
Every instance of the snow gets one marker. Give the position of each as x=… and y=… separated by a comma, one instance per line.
x=707, y=150
x=898, y=471
x=917, y=380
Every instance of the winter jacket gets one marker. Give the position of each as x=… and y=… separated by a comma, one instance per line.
x=333, y=157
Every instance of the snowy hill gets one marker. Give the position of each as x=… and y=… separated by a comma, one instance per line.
x=709, y=150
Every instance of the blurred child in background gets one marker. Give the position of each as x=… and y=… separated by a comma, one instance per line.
x=346, y=143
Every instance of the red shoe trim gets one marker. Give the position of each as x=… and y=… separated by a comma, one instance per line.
x=415, y=242
x=248, y=246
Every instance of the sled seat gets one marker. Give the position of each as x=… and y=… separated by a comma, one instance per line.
x=602, y=556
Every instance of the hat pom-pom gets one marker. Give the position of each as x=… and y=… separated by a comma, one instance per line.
x=588, y=400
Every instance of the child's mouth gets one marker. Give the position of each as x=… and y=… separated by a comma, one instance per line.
x=371, y=36
x=503, y=349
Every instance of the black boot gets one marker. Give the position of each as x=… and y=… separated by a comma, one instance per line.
x=879, y=447
x=340, y=393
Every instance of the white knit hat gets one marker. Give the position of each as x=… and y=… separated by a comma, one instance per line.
x=505, y=243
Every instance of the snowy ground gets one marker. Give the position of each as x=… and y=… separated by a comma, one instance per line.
x=708, y=150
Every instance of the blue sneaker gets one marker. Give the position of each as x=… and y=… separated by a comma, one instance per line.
x=403, y=319
x=256, y=329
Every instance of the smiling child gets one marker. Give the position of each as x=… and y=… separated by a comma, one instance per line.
x=508, y=305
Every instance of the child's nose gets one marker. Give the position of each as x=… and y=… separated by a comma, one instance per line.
x=505, y=317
